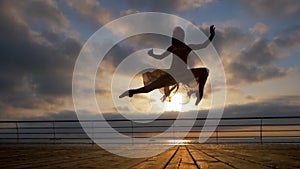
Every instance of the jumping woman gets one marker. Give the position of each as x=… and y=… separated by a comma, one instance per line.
x=163, y=78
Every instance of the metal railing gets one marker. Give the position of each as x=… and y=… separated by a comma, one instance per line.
x=229, y=130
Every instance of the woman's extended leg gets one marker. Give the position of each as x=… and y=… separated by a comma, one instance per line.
x=201, y=75
x=163, y=81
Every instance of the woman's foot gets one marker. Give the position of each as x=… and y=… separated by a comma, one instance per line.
x=127, y=93
x=163, y=98
x=197, y=101
x=198, y=98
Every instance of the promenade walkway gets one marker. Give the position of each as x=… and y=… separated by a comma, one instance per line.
x=183, y=156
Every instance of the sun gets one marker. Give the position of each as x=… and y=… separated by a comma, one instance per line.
x=175, y=104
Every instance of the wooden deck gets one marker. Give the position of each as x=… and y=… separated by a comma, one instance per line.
x=184, y=156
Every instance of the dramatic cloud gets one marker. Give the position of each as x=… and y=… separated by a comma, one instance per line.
x=35, y=13
x=96, y=13
x=135, y=43
x=92, y=10
x=128, y=12
x=290, y=38
x=248, y=59
x=261, y=52
x=167, y=5
x=259, y=28
x=244, y=73
x=289, y=9
x=39, y=45
x=278, y=106
x=63, y=115
x=228, y=38
x=36, y=67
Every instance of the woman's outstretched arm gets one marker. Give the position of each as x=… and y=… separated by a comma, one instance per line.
x=160, y=56
x=206, y=43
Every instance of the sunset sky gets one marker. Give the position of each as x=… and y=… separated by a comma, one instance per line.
x=258, y=43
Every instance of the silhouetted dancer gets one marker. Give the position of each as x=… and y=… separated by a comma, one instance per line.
x=163, y=78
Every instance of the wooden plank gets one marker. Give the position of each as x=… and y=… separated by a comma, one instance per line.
x=66, y=157
x=205, y=156
x=233, y=161
x=182, y=160
x=204, y=161
x=270, y=158
x=158, y=161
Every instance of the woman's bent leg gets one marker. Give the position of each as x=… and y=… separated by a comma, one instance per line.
x=163, y=81
x=201, y=75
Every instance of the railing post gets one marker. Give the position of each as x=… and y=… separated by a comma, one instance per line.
x=217, y=135
x=174, y=140
x=261, y=131
x=54, y=133
x=18, y=137
x=131, y=132
x=93, y=133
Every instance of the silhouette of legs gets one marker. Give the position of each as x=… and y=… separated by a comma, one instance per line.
x=163, y=81
x=168, y=91
x=201, y=75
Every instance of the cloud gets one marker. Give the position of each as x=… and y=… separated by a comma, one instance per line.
x=261, y=52
x=36, y=67
x=135, y=43
x=249, y=97
x=275, y=10
x=96, y=13
x=277, y=106
x=39, y=48
x=188, y=4
x=63, y=115
x=289, y=38
x=259, y=28
x=35, y=13
x=167, y=5
x=241, y=73
x=246, y=58
x=92, y=10
x=229, y=38
x=128, y=12
x=256, y=63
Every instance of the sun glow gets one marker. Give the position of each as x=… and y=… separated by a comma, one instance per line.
x=175, y=104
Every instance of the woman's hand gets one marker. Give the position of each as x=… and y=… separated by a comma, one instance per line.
x=158, y=56
x=150, y=52
x=212, y=32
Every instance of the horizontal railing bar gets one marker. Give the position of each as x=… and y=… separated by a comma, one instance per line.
x=168, y=138
x=129, y=127
x=281, y=130
x=46, y=128
x=258, y=129
x=71, y=129
x=219, y=125
x=165, y=119
x=225, y=142
x=198, y=131
x=191, y=131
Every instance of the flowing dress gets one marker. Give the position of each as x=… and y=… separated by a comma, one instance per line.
x=186, y=79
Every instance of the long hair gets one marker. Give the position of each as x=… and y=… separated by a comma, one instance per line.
x=178, y=36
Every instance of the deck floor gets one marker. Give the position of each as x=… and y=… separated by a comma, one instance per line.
x=183, y=156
